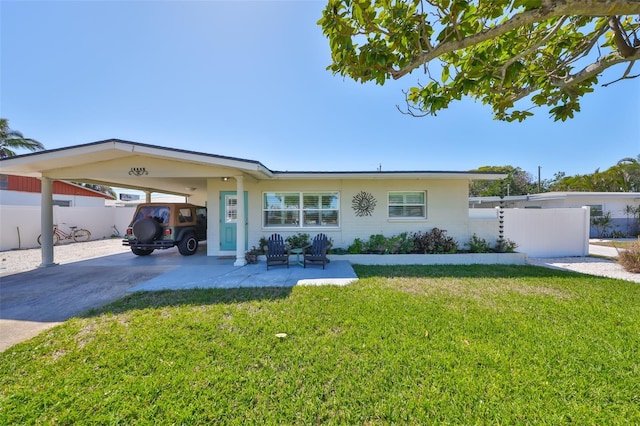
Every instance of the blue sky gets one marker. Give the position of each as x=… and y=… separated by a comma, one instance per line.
x=248, y=79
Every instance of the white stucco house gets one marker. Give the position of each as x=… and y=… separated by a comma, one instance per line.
x=344, y=205
x=619, y=205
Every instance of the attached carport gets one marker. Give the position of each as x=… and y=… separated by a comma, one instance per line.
x=118, y=163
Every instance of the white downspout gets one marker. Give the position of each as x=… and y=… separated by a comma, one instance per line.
x=240, y=222
x=46, y=221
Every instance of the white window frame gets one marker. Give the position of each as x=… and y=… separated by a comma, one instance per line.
x=598, y=209
x=298, y=211
x=405, y=204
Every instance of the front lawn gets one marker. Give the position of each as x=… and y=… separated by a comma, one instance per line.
x=412, y=345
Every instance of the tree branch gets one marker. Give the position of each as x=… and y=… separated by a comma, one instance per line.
x=532, y=48
x=625, y=49
x=595, y=68
x=549, y=10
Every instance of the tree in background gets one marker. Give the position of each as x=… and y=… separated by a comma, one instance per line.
x=624, y=176
x=517, y=182
x=11, y=140
x=100, y=188
x=499, y=52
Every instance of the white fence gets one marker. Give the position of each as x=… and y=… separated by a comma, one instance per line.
x=549, y=232
x=538, y=232
x=20, y=225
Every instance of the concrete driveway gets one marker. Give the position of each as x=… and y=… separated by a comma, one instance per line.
x=33, y=301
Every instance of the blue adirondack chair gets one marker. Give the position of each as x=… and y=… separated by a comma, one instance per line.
x=318, y=252
x=277, y=251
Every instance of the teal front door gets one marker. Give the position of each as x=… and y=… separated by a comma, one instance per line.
x=229, y=220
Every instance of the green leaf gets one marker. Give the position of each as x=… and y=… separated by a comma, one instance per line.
x=445, y=74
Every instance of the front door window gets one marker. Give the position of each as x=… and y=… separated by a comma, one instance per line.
x=231, y=209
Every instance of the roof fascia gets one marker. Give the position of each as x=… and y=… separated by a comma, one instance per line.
x=388, y=175
x=141, y=149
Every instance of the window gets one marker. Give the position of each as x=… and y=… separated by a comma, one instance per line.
x=408, y=205
x=301, y=209
x=184, y=215
x=62, y=203
x=596, y=210
x=4, y=181
x=230, y=209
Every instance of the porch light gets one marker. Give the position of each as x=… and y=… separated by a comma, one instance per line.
x=224, y=179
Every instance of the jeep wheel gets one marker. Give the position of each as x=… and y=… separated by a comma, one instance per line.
x=146, y=230
x=188, y=245
x=141, y=252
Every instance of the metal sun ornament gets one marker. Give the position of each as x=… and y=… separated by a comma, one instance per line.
x=363, y=203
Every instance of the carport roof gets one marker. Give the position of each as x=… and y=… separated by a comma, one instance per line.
x=37, y=163
x=178, y=171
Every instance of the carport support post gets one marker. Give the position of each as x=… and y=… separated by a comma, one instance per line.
x=46, y=221
x=240, y=222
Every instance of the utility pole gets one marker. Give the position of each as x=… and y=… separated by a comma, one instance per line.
x=539, y=186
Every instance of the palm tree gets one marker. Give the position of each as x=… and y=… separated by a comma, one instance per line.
x=13, y=139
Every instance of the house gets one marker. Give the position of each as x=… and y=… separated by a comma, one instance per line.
x=623, y=208
x=25, y=191
x=344, y=205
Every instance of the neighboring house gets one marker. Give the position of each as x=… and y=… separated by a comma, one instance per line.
x=344, y=205
x=25, y=191
x=622, y=207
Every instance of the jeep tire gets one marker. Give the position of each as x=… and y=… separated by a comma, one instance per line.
x=146, y=230
x=188, y=245
x=141, y=251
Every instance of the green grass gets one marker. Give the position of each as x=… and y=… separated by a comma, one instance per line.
x=410, y=345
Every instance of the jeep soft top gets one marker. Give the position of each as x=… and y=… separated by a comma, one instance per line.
x=165, y=225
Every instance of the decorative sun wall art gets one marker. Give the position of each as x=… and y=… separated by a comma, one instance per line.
x=363, y=203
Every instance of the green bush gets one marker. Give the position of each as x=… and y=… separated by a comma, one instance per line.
x=434, y=241
x=505, y=246
x=378, y=244
x=478, y=245
x=357, y=247
x=401, y=244
x=298, y=240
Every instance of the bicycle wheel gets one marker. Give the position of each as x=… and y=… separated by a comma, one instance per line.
x=56, y=238
x=81, y=235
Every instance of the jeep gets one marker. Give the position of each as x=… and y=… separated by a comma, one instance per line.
x=164, y=225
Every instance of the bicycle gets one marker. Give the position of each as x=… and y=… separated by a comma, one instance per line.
x=76, y=235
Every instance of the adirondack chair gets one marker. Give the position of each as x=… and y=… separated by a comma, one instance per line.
x=318, y=252
x=277, y=252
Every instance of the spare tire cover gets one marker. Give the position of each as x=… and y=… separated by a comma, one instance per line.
x=146, y=230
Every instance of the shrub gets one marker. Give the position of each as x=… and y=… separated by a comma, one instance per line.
x=434, y=242
x=298, y=240
x=401, y=244
x=602, y=224
x=377, y=243
x=357, y=247
x=478, y=245
x=505, y=246
x=262, y=245
x=630, y=258
x=616, y=233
